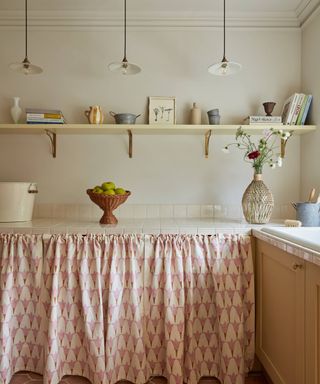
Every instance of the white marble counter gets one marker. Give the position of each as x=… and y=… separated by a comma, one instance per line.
x=205, y=226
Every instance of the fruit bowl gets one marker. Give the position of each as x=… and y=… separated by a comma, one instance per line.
x=108, y=203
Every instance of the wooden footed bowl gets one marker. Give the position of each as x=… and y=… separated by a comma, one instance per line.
x=108, y=203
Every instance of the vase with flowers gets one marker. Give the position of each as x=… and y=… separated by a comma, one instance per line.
x=257, y=200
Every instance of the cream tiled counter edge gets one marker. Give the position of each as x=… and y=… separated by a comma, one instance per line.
x=203, y=226
x=289, y=247
x=193, y=226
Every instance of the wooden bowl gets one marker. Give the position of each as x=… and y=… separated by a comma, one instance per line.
x=108, y=203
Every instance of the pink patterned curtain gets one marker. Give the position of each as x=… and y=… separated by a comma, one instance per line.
x=127, y=307
x=21, y=315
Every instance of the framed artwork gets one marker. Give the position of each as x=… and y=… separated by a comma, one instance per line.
x=162, y=110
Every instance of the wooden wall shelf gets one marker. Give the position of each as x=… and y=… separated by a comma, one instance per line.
x=52, y=130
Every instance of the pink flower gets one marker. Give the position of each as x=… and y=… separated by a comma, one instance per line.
x=253, y=155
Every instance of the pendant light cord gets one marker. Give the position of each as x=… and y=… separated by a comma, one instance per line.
x=125, y=31
x=26, y=27
x=25, y=67
x=224, y=67
x=224, y=29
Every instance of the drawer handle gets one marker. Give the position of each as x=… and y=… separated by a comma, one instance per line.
x=297, y=266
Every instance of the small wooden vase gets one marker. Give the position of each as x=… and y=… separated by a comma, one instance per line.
x=108, y=203
x=268, y=107
x=257, y=202
x=195, y=115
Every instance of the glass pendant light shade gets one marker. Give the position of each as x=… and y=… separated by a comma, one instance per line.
x=224, y=67
x=124, y=66
x=25, y=67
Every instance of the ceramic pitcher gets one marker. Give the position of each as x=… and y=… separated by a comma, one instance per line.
x=95, y=115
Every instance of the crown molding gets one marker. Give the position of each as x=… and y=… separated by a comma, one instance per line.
x=83, y=20
x=309, y=20
x=306, y=9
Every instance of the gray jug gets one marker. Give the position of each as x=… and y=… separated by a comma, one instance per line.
x=308, y=214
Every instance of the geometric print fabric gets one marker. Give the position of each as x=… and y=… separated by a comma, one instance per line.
x=126, y=307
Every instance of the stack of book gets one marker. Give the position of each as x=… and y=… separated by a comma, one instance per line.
x=44, y=116
x=263, y=120
x=296, y=108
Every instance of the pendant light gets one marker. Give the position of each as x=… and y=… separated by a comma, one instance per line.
x=26, y=67
x=124, y=66
x=225, y=67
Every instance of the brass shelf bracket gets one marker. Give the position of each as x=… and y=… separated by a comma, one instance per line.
x=130, y=143
x=53, y=140
x=207, y=142
x=283, y=148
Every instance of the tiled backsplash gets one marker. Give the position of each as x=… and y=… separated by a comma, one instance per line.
x=139, y=211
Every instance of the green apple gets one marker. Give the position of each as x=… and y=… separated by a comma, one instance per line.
x=97, y=190
x=108, y=185
x=120, y=191
x=109, y=192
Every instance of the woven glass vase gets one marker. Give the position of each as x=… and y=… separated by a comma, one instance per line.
x=257, y=202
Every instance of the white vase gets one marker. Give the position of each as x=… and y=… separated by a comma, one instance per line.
x=16, y=110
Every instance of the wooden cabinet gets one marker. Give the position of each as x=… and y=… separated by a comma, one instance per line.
x=312, y=324
x=280, y=315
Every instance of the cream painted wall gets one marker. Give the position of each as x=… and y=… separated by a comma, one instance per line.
x=164, y=169
x=310, y=144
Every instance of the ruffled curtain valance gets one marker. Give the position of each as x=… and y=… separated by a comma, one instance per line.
x=126, y=307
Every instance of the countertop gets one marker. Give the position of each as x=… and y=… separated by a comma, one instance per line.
x=205, y=226
x=194, y=226
x=290, y=245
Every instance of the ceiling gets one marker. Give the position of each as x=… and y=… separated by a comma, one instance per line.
x=275, y=12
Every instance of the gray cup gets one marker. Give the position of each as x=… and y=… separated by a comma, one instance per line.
x=213, y=116
x=308, y=214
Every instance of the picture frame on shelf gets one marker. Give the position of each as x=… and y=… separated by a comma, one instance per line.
x=162, y=110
